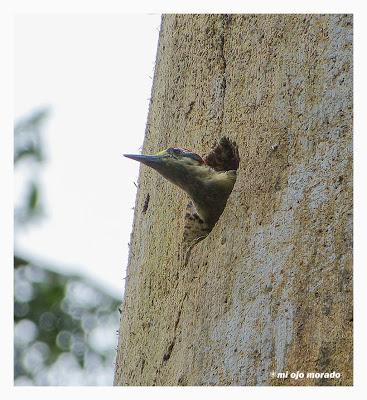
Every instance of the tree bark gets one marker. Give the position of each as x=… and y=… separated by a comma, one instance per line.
x=270, y=289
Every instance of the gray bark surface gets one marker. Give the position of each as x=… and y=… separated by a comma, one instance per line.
x=270, y=288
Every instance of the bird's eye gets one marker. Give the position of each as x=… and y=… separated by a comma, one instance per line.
x=175, y=151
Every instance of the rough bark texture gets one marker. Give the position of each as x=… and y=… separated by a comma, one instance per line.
x=270, y=288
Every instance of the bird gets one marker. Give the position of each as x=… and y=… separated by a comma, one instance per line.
x=207, y=181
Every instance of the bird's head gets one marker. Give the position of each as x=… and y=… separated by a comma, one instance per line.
x=179, y=166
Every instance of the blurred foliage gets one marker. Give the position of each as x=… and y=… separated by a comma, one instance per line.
x=27, y=136
x=65, y=329
x=65, y=326
x=28, y=159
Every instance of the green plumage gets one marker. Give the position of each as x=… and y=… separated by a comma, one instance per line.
x=208, y=183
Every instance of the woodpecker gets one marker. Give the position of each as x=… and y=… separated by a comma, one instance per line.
x=207, y=181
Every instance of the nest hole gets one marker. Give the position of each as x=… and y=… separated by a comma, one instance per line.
x=223, y=157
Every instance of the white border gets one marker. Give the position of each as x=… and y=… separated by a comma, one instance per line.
x=7, y=10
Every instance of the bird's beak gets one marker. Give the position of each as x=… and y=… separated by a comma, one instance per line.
x=150, y=161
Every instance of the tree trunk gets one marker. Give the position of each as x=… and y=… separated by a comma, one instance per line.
x=270, y=289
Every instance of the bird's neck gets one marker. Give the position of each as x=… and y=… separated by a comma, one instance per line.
x=209, y=191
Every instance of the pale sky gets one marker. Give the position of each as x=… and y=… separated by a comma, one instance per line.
x=95, y=72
